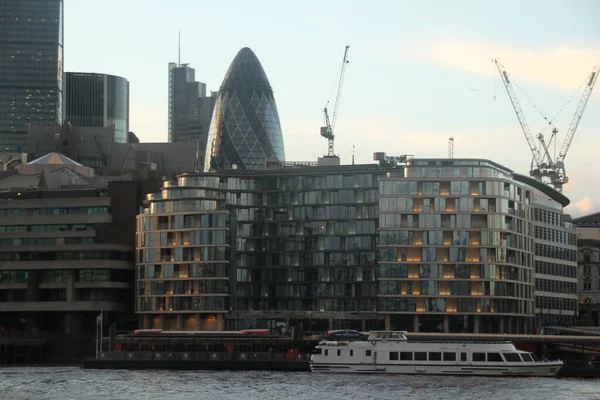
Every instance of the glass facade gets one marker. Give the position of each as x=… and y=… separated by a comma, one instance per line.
x=455, y=249
x=97, y=100
x=245, y=127
x=436, y=245
x=31, y=65
x=182, y=263
x=555, y=267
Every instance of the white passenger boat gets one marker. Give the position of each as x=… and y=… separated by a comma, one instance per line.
x=386, y=352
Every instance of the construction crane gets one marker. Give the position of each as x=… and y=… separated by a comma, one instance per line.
x=543, y=167
x=327, y=131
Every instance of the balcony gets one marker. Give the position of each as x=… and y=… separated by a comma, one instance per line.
x=61, y=306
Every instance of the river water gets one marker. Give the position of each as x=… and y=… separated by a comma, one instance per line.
x=67, y=383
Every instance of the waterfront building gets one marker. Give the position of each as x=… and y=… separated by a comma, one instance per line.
x=297, y=246
x=67, y=247
x=588, y=270
x=455, y=248
x=31, y=61
x=183, y=256
x=427, y=245
x=245, y=129
x=58, y=270
x=555, y=258
x=98, y=100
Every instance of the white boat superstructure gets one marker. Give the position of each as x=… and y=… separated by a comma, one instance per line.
x=389, y=352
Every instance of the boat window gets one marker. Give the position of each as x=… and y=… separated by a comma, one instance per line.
x=420, y=356
x=406, y=356
x=449, y=356
x=512, y=357
x=339, y=352
x=317, y=350
x=479, y=357
x=326, y=352
x=435, y=356
x=463, y=356
x=351, y=353
x=393, y=356
x=495, y=357
x=532, y=356
x=368, y=353
x=526, y=357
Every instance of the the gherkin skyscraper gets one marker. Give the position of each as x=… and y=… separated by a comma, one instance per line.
x=245, y=127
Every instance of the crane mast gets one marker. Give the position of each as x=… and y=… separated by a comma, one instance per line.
x=543, y=166
x=327, y=131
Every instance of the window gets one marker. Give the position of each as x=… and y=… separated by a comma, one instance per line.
x=368, y=353
x=435, y=356
x=420, y=356
x=393, y=356
x=450, y=356
x=326, y=352
x=479, y=357
x=406, y=356
x=351, y=353
x=494, y=357
x=526, y=357
x=512, y=357
x=317, y=350
x=339, y=352
x=463, y=356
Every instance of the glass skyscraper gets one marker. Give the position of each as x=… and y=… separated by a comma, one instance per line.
x=31, y=68
x=190, y=109
x=245, y=128
x=98, y=100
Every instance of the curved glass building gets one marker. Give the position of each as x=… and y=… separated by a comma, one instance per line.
x=183, y=256
x=245, y=127
x=98, y=100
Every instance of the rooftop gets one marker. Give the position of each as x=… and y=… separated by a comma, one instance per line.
x=55, y=158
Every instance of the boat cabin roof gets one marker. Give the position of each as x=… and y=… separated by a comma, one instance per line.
x=388, y=335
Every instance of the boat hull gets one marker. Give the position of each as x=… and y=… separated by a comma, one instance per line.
x=545, y=369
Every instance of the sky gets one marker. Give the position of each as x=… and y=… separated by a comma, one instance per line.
x=420, y=72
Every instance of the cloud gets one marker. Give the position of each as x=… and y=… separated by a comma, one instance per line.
x=585, y=205
x=563, y=67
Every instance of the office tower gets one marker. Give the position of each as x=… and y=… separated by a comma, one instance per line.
x=245, y=129
x=31, y=65
x=190, y=109
x=98, y=100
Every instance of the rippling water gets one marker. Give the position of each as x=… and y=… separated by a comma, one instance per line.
x=75, y=383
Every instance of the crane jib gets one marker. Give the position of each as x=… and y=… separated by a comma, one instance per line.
x=552, y=171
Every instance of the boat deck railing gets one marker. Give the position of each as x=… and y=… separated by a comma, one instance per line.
x=202, y=356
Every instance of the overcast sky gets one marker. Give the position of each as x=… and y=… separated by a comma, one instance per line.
x=419, y=71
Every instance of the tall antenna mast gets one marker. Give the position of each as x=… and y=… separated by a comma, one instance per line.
x=451, y=147
x=179, y=49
